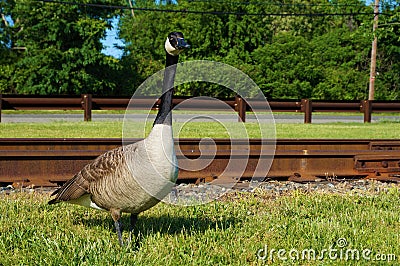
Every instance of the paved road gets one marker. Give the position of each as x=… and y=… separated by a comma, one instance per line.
x=279, y=118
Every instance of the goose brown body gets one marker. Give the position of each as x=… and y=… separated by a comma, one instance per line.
x=135, y=177
x=130, y=179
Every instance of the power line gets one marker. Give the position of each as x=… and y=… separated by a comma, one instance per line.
x=273, y=4
x=392, y=6
x=186, y=11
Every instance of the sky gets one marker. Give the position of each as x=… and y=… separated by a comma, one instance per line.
x=111, y=39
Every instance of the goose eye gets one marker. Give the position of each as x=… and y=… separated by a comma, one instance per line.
x=173, y=42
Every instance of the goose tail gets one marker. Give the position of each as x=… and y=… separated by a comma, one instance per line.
x=53, y=201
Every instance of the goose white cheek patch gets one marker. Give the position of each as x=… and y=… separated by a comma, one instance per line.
x=170, y=49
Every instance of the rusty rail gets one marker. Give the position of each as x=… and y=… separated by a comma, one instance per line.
x=87, y=103
x=50, y=162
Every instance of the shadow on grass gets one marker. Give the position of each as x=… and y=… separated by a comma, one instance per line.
x=177, y=225
x=165, y=224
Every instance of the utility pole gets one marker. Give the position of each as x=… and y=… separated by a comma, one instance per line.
x=131, y=5
x=373, y=54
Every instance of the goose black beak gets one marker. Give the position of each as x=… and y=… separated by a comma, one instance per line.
x=182, y=44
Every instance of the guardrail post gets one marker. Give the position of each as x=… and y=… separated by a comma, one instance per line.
x=241, y=108
x=87, y=106
x=366, y=108
x=306, y=107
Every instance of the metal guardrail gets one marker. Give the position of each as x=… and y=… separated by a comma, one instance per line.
x=88, y=102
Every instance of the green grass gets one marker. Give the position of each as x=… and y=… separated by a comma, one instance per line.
x=61, y=130
x=229, y=231
x=381, y=130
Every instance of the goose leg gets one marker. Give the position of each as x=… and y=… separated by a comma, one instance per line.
x=133, y=221
x=118, y=228
x=116, y=215
x=134, y=218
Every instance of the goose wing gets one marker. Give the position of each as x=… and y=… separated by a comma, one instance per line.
x=102, y=167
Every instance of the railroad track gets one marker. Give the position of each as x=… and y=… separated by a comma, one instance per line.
x=50, y=162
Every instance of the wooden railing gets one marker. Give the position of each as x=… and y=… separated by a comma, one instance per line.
x=88, y=102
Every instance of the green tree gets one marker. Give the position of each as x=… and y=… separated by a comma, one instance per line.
x=387, y=86
x=7, y=55
x=291, y=49
x=289, y=56
x=222, y=37
x=61, y=48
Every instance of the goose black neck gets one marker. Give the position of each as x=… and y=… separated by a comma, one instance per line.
x=164, y=115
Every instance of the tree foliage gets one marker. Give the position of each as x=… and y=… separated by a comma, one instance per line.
x=388, y=58
x=56, y=49
x=288, y=56
x=292, y=49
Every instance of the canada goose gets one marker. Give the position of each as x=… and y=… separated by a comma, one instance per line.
x=133, y=178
